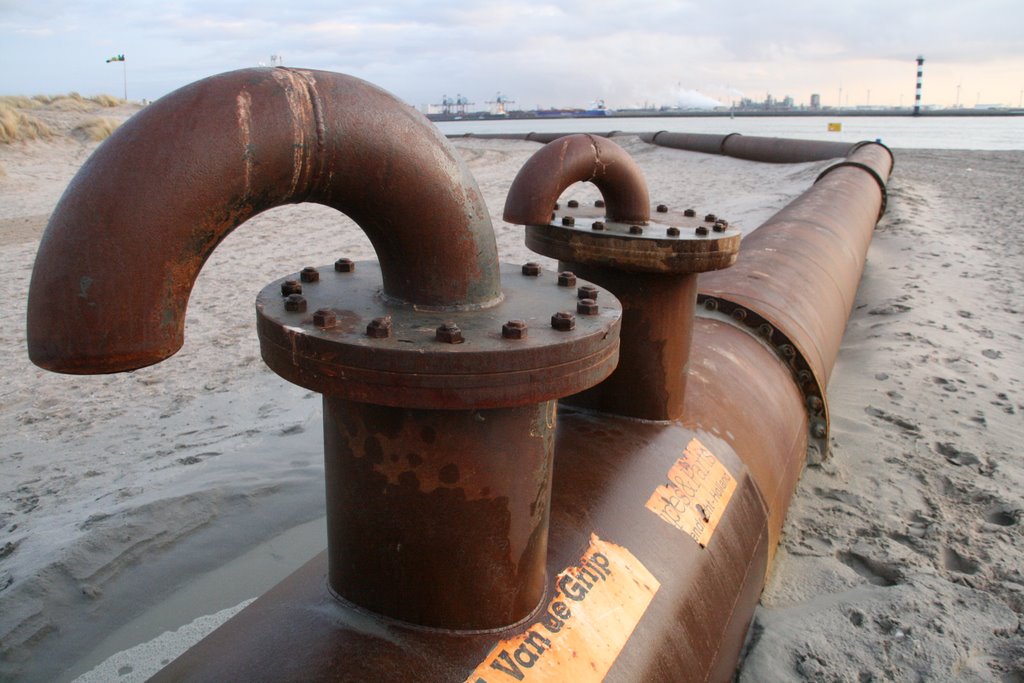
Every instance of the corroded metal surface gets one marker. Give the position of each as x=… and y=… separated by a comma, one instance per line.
x=752, y=147
x=799, y=272
x=188, y=169
x=606, y=467
x=578, y=158
x=650, y=265
x=439, y=517
x=411, y=367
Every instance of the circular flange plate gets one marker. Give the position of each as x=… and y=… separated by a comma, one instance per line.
x=669, y=243
x=411, y=368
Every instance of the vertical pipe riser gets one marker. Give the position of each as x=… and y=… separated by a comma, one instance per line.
x=439, y=517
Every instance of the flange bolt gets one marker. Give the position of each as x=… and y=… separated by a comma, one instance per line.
x=379, y=328
x=449, y=333
x=566, y=279
x=309, y=274
x=587, y=307
x=295, y=303
x=514, y=329
x=563, y=321
x=532, y=269
x=324, y=317
x=290, y=287
x=345, y=265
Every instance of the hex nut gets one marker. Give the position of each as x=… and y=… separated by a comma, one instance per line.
x=702, y=230
x=719, y=226
x=379, y=328
x=787, y=351
x=563, y=321
x=566, y=279
x=587, y=307
x=344, y=265
x=818, y=429
x=557, y=206
x=309, y=274
x=290, y=287
x=672, y=232
x=814, y=404
x=449, y=333
x=739, y=314
x=568, y=220
x=711, y=304
x=587, y=292
x=765, y=330
x=295, y=303
x=597, y=225
x=661, y=208
x=599, y=203
x=689, y=213
x=636, y=230
x=532, y=269
x=804, y=377
x=710, y=218
x=514, y=329
x=325, y=317
x=573, y=204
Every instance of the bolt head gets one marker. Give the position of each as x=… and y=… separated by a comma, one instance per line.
x=573, y=204
x=636, y=230
x=804, y=377
x=514, y=329
x=719, y=226
x=291, y=287
x=449, y=333
x=325, y=317
x=689, y=213
x=765, y=330
x=532, y=269
x=710, y=218
x=702, y=230
x=568, y=220
x=587, y=307
x=661, y=208
x=672, y=232
x=818, y=429
x=557, y=206
x=587, y=292
x=787, y=351
x=295, y=303
x=814, y=404
x=711, y=304
x=599, y=203
x=566, y=279
x=597, y=225
x=379, y=328
x=309, y=274
x=344, y=265
x=740, y=314
x=563, y=321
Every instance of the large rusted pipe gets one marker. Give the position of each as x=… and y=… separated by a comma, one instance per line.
x=438, y=421
x=752, y=147
x=797, y=275
x=227, y=148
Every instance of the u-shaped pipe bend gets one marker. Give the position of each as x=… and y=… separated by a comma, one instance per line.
x=576, y=158
x=127, y=240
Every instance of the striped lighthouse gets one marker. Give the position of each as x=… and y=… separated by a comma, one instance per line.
x=917, y=93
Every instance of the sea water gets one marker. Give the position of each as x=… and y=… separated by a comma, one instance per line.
x=898, y=132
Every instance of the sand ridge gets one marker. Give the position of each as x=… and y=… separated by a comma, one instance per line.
x=902, y=554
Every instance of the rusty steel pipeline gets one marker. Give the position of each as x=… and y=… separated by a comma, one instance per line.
x=478, y=532
x=229, y=147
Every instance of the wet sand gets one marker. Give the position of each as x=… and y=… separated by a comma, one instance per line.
x=902, y=555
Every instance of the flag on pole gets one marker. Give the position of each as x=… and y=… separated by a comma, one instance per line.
x=116, y=58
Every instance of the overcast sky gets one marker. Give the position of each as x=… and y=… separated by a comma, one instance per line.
x=555, y=53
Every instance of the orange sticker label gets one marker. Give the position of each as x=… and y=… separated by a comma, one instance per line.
x=697, y=494
x=598, y=603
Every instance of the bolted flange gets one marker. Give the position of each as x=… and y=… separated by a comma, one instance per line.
x=336, y=349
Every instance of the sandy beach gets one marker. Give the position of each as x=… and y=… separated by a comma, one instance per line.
x=902, y=556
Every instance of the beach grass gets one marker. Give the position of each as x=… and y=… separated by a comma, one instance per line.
x=17, y=125
x=95, y=129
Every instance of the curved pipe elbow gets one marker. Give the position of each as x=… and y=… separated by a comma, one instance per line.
x=127, y=240
x=571, y=159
